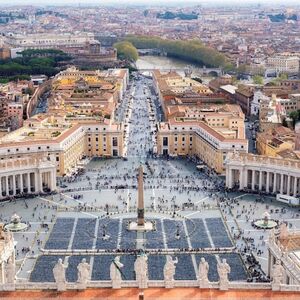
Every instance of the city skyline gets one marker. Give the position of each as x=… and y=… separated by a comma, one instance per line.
x=146, y=3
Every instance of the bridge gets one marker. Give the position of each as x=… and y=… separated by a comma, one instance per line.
x=193, y=70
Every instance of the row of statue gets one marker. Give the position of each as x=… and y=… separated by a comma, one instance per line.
x=141, y=272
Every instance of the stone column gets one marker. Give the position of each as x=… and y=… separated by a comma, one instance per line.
x=40, y=180
x=7, y=187
x=281, y=183
x=36, y=182
x=21, y=183
x=253, y=179
x=227, y=176
x=295, y=186
x=289, y=185
x=230, y=178
x=2, y=273
x=53, y=181
x=245, y=177
x=268, y=182
x=260, y=180
x=275, y=183
x=28, y=183
x=241, y=179
x=14, y=184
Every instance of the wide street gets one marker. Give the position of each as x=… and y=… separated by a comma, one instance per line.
x=110, y=186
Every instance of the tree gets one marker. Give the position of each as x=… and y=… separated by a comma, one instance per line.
x=190, y=50
x=258, y=79
x=295, y=116
x=126, y=51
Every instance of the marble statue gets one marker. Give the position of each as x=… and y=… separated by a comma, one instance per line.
x=83, y=274
x=169, y=271
x=223, y=271
x=272, y=235
x=278, y=274
x=141, y=271
x=115, y=273
x=283, y=231
x=10, y=272
x=59, y=272
x=203, y=274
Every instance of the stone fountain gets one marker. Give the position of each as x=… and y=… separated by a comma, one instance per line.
x=16, y=224
x=265, y=222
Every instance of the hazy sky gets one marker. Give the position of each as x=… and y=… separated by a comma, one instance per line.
x=147, y=2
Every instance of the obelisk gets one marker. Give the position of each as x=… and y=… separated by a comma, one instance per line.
x=140, y=208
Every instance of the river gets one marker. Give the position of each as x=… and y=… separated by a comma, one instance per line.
x=160, y=62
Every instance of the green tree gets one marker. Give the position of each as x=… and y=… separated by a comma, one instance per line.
x=257, y=79
x=295, y=116
x=126, y=51
x=191, y=50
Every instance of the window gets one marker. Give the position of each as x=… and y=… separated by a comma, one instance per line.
x=115, y=141
x=183, y=138
x=176, y=138
x=191, y=138
x=165, y=141
x=57, y=158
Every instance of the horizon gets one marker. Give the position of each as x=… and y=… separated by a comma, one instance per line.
x=146, y=3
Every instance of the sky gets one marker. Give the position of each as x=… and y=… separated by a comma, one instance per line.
x=142, y=2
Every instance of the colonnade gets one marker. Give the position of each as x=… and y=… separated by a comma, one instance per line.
x=26, y=182
x=263, y=173
x=268, y=181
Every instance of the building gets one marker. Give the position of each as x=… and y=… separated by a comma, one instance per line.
x=258, y=97
x=244, y=97
x=197, y=138
x=26, y=175
x=273, y=141
x=271, y=113
x=49, y=40
x=82, y=45
x=4, y=53
x=79, y=123
x=263, y=173
x=65, y=142
x=283, y=64
x=198, y=121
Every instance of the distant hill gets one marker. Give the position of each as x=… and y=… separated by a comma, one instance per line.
x=168, y=15
x=282, y=17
